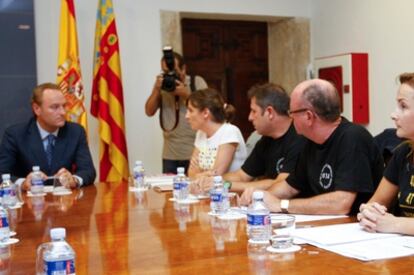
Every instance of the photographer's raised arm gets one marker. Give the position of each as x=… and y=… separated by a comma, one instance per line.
x=153, y=101
x=182, y=90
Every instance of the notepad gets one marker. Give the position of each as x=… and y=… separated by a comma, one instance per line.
x=351, y=240
x=338, y=234
x=160, y=183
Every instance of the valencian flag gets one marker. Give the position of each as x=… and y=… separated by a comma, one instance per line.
x=69, y=73
x=107, y=100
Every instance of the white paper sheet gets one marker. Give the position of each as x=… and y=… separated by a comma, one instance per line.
x=163, y=182
x=308, y=218
x=376, y=249
x=351, y=241
x=338, y=234
x=298, y=217
x=159, y=180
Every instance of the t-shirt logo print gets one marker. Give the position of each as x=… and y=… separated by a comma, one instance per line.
x=279, y=165
x=326, y=176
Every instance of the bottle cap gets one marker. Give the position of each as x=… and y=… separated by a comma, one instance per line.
x=5, y=177
x=180, y=170
x=217, y=179
x=258, y=195
x=57, y=233
x=138, y=162
x=35, y=168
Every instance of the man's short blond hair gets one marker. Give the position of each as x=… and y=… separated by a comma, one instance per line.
x=37, y=94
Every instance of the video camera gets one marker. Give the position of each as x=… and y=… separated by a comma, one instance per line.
x=169, y=77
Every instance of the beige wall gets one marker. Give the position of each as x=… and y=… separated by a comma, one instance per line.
x=289, y=51
x=171, y=30
x=381, y=28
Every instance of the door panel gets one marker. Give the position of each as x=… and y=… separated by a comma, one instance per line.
x=231, y=56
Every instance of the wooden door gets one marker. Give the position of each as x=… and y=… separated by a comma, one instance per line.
x=231, y=56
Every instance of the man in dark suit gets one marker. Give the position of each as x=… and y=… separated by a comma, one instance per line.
x=47, y=140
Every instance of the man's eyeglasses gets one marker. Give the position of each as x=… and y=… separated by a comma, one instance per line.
x=297, y=111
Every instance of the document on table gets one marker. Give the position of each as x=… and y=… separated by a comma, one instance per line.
x=308, y=218
x=160, y=183
x=376, y=249
x=298, y=218
x=351, y=241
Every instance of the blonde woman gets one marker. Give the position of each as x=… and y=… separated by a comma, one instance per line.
x=398, y=180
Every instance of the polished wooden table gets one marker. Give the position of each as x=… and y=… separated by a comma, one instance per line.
x=114, y=231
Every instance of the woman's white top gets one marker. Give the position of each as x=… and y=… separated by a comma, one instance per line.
x=208, y=147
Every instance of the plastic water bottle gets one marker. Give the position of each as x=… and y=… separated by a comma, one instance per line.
x=184, y=190
x=139, y=175
x=218, y=197
x=258, y=219
x=37, y=181
x=4, y=225
x=180, y=185
x=1, y=192
x=9, y=191
x=56, y=257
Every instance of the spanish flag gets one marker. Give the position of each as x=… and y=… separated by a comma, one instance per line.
x=107, y=100
x=69, y=73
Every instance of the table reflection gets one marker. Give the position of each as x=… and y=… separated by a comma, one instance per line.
x=114, y=231
x=112, y=226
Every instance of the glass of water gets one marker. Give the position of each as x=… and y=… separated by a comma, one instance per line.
x=60, y=186
x=283, y=227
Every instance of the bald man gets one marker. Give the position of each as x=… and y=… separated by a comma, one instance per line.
x=339, y=167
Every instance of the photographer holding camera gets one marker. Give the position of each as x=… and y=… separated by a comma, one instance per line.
x=170, y=92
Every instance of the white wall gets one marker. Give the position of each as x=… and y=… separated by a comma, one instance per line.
x=383, y=29
x=138, y=24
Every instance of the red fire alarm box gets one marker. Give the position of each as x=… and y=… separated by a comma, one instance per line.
x=349, y=74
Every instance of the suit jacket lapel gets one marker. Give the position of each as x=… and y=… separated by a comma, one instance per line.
x=36, y=144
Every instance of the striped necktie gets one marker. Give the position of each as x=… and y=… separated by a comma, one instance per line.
x=49, y=149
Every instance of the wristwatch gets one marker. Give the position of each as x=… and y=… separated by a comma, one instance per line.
x=227, y=184
x=284, y=205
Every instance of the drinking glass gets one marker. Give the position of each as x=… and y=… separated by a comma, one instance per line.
x=233, y=200
x=60, y=186
x=283, y=227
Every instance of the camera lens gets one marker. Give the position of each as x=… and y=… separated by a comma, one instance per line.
x=168, y=84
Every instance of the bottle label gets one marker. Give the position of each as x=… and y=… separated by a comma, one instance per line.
x=4, y=222
x=66, y=267
x=177, y=185
x=37, y=182
x=216, y=197
x=138, y=175
x=7, y=192
x=258, y=219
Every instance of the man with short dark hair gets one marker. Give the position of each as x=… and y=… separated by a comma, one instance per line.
x=47, y=140
x=178, y=135
x=339, y=167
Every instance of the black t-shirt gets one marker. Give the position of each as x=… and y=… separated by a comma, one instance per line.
x=400, y=171
x=347, y=161
x=270, y=157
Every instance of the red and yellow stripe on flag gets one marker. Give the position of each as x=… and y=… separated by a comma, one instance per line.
x=69, y=73
x=107, y=97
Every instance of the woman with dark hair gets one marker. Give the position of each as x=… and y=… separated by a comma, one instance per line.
x=219, y=145
x=398, y=180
